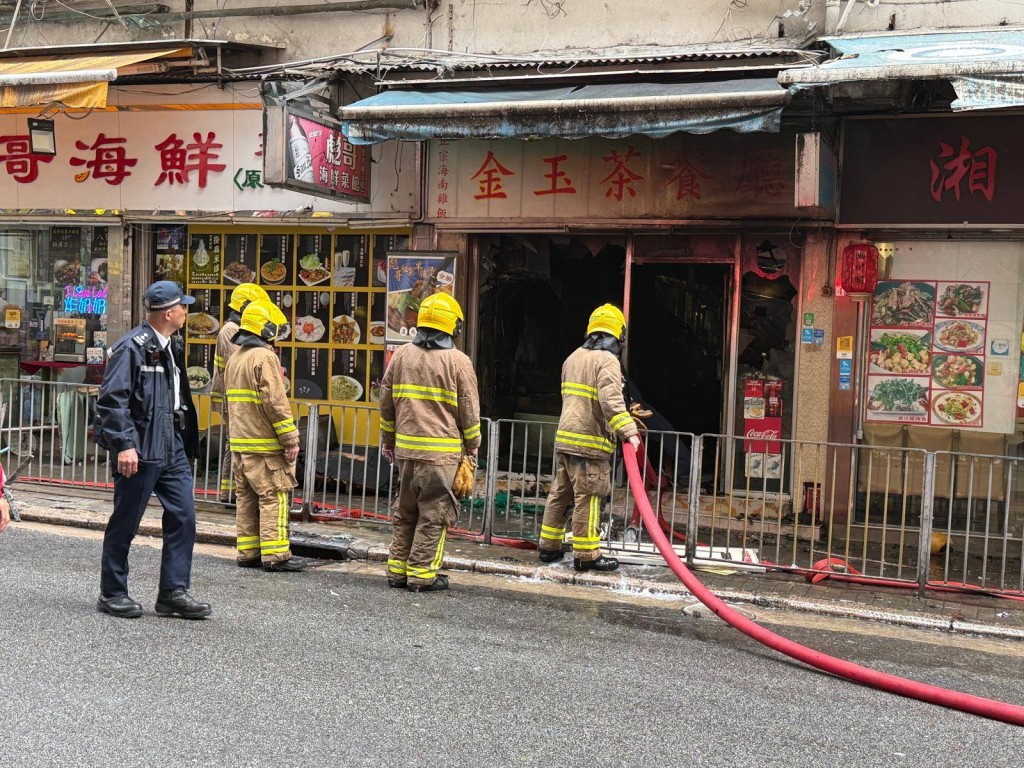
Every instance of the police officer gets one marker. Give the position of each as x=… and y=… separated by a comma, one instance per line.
x=144, y=416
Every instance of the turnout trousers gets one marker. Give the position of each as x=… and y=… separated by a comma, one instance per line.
x=172, y=484
x=583, y=483
x=423, y=509
x=226, y=494
x=263, y=485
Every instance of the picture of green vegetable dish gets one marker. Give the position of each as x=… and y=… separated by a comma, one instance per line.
x=953, y=371
x=899, y=396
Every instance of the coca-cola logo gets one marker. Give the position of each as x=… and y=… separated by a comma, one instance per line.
x=762, y=434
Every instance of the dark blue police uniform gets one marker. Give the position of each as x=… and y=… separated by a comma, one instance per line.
x=136, y=410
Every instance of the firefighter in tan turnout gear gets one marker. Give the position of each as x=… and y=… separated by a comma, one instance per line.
x=241, y=297
x=264, y=442
x=593, y=414
x=429, y=417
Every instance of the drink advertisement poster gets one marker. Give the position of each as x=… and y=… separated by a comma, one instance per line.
x=927, y=360
x=319, y=158
x=413, y=276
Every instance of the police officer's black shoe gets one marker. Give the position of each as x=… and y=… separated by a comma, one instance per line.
x=601, y=564
x=291, y=565
x=550, y=555
x=439, y=583
x=178, y=602
x=119, y=605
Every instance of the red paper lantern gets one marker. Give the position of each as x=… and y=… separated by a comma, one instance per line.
x=858, y=274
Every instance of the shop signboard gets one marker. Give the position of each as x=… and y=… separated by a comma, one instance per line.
x=186, y=161
x=927, y=358
x=411, y=277
x=933, y=170
x=309, y=153
x=676, y=177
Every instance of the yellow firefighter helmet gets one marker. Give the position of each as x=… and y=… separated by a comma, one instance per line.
x=441, y=312
x=263, y=319
x=608, y=319
x=245, y=293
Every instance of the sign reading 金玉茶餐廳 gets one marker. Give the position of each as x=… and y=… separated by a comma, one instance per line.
x=941, y=170
x=680, y=176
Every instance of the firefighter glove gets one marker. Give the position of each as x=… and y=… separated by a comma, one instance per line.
x=464, y=477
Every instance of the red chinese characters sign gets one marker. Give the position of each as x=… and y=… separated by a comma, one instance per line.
x=677, y=177
x=946, y=170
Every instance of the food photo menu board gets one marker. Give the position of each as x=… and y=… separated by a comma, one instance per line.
x=927, y=353
x=328, y=286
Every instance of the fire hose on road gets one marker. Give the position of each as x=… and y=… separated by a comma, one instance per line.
x=964, y=702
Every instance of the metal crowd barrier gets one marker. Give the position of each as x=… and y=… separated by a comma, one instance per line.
x=888, y=514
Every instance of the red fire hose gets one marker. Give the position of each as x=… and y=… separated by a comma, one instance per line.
x=964, y=702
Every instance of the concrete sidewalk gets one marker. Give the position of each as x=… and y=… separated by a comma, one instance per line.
x=951, y=612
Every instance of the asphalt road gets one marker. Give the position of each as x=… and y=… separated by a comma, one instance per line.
x=332, y=668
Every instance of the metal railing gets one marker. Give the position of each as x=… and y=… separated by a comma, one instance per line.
x=888, y=515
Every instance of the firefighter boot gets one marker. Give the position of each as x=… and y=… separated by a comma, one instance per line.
x=601, y=564
x=439, y=583
x=550, y=555
x=291, y=565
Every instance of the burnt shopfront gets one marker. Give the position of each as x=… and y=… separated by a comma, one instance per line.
x=696, y=237
x=937, y=359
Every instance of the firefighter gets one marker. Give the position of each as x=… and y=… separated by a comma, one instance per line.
x=240, y=299
x=264, y=442
x=593, y=414
x=429, y=417
x=145, y=417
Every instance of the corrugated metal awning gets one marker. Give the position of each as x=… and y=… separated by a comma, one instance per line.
x=985, y=67
x=570, y=112
x=77, y=81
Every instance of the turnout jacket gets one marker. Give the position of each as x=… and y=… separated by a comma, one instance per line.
x=429, y=405
x=593, y=409
x=223, y=352
x=259, y=414
x=135, y=408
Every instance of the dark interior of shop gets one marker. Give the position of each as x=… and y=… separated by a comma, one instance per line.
x=536, y=293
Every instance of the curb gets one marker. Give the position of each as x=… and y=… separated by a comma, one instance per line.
x=357, y=549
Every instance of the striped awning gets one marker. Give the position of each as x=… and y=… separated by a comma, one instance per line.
x=75, y=81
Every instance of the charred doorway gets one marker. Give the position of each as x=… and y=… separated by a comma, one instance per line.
x=536, y=293
x=677, y=341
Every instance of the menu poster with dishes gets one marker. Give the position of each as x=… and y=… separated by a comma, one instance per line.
x=312, y=317
x=927, y=353
x=383, y=245
x=412, y=277
x=65, y=249
x=199, y=367
x=240, y=259
x=347, y=376
x=348, y=322
x=312, y=371
x=203, y=318
x=313, y=262
x=204, y=260
x=170, y=247
x=378, y=319
x=351, y=261
x=98, y=256
x=376, y=375
x=287, y=357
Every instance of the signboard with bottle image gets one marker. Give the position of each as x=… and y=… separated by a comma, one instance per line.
x=309, y=153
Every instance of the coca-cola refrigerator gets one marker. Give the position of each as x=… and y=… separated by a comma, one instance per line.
x=762, y=428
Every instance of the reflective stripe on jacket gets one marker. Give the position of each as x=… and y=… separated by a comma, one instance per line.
x=593, y=409
x=259, y=415
x=223, y=352
x=429, y=405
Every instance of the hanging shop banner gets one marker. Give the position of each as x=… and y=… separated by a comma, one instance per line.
x=309, y=153
x=411, y=277
x=943, y=170
x=330, y=287
x=181, y=162
x=927, y=359
x=677, y=177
